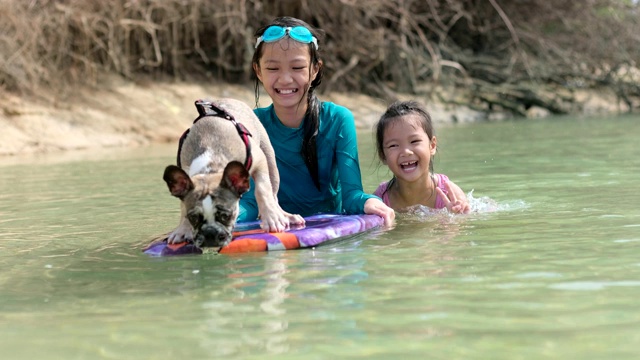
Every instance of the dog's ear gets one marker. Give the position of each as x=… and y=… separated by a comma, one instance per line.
x=235, y=178
x=178, y=181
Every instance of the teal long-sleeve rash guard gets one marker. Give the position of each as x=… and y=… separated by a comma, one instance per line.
x=338, y=166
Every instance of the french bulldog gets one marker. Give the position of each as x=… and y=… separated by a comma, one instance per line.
x=225, y=146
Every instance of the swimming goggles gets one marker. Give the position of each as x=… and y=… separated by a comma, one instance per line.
x=297, y=33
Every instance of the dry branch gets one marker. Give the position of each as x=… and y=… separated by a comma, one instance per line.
x=509, y=54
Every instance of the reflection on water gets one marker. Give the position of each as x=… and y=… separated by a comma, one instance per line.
x=268, y=287
x=545, y=265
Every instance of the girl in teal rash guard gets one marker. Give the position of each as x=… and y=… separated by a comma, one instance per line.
x=315, y=142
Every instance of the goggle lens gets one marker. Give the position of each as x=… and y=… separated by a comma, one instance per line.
x=301, y=34
x=297, y=33
x=274, y=33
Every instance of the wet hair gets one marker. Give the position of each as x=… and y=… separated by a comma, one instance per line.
x=395, y=114
x=311, y=120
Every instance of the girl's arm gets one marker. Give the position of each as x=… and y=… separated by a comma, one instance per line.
x=354, y=199
x=346, y=155
x=248, y=206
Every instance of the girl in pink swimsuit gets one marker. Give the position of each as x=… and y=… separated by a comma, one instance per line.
x=406, y=143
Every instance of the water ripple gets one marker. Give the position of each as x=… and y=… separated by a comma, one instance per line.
x=593, y=285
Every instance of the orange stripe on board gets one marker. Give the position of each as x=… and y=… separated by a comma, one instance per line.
x=248, y=232
x=290, y=241
x=244, y=245
x=176, y=246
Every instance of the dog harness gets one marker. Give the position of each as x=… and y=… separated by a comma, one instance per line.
x=206, y=108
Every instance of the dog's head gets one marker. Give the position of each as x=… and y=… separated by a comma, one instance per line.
x=210, y=201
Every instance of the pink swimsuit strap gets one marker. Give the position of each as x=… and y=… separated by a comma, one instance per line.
x=441, y=182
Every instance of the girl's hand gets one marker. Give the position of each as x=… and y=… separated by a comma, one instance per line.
x=456, y=204
x=377, y=207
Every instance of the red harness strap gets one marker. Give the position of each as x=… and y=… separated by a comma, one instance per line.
x=206, y=108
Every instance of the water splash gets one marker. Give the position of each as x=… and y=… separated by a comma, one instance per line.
x=477, y=205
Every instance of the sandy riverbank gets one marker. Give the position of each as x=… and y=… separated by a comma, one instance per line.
x=127, y=114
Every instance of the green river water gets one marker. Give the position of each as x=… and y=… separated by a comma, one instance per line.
x=547, y=265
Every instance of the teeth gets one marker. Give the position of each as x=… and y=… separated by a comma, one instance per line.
x=288, y=91
x=408, y=163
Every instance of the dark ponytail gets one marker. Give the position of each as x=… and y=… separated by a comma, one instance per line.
x=309, y=147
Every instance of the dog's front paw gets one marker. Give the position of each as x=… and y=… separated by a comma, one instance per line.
x=274, y=222
x=180, y=234
x=294, y=219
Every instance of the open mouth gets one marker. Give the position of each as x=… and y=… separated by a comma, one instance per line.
x=409, y=165
x=286, y=91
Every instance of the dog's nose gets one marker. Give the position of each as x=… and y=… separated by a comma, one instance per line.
x=214, y=236
x=210, y=232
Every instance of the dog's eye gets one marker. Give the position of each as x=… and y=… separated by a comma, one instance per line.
x=222, y=217
x=195, y=218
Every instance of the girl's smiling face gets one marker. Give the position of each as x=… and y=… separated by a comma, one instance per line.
x=408, y=149
x=285, y=72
